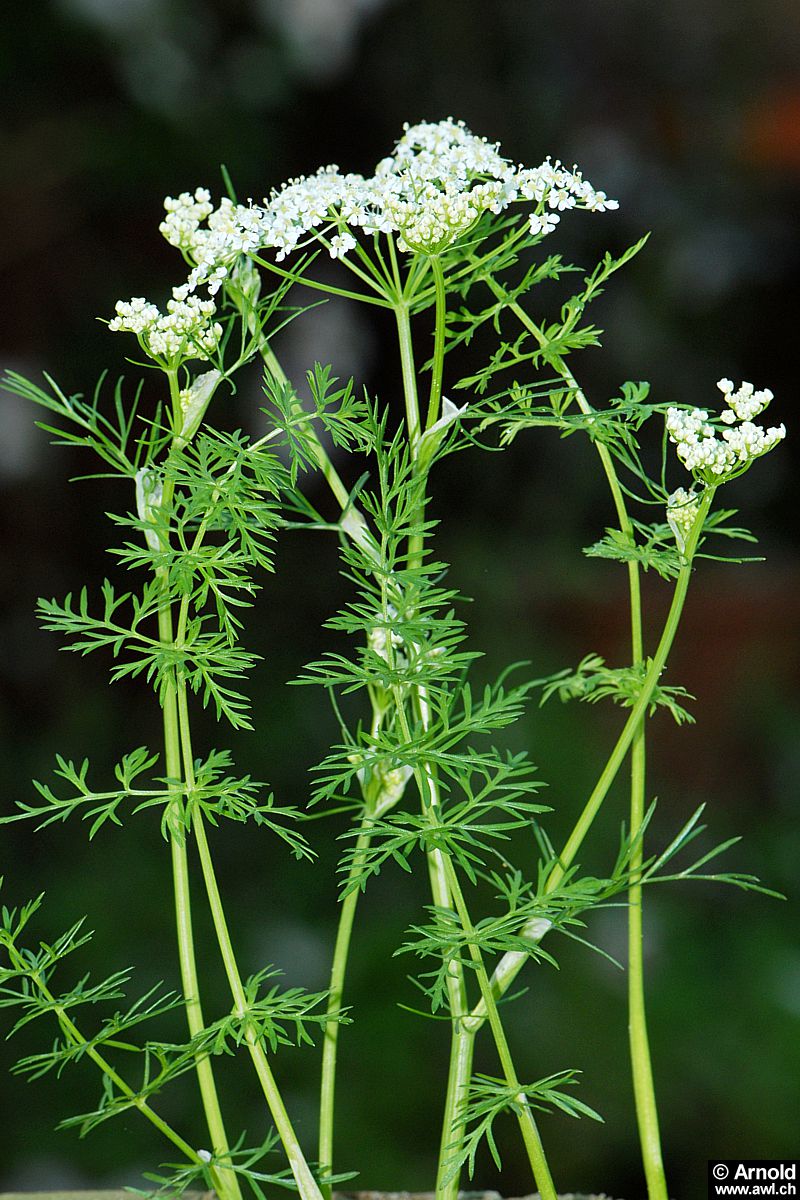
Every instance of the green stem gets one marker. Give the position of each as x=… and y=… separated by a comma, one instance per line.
x=305, y=1181
x=323, y=461
x=461, y=1037
x=641, y=1064
x=74, y=1035
x=228, y=1183
x=330, y=1042
x=513, y=961
x=437, y=368
x=639, y=709
x=319, y=287
x=409, y=377
x=371, y=275
x=528, y=1128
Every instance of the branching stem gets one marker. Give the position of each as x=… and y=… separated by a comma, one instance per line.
x=641, y=1065
x=73, y=1034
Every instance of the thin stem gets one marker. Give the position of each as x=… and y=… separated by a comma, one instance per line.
x=371, y=276
x=513, y=961
x=330, y=1042
x=476, y=262
x=639, y=709
x=228, y=1183
x=462, y=1035
x=320, y=287
x=461, y=1038
x=641, y=1064
x=398, y=283
x=409, y=377
x=322, y=459
x=437, y=368
x=306, y=1183
x=74, y=1035
x=528, y=1128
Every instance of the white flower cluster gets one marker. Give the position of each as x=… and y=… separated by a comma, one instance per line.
x=185, y=330
x=745, y=403
x=230, y=231
x=682, y=509
x=440, y=179
x=713, y=457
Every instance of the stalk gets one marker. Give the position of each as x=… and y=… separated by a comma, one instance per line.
x=437, y=368
x=530, y=1133
x=350, y=903
x=229, y=1188
x=462, y=1039
x=513, y=961
x=641, y=1064
x=74, y=1035
x=306, y=1184
x=324, y=463
x=330, y=1042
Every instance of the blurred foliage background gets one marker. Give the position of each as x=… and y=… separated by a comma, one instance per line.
x=689, y=113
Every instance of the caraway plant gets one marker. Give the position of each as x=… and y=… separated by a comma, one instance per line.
x=453, y=242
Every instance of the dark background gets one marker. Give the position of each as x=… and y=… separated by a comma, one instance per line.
x=689, y=113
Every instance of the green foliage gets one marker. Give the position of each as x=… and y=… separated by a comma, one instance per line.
x=490, y=1097
x=426, y=763
x=592, y=680
x=281, y=1018
x=123, y=441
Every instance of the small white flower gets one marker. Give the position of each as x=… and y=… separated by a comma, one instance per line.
x=543, y=223
x=341, y=244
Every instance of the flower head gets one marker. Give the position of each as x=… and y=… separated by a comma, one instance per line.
x=184, y=331
x=714, y=455
x=438, y=182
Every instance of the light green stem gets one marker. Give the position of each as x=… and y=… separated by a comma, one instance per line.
x=323, y=461
x=330, y=1042
x=641, y=1064
x=228, y=1183
x=513, y=961
x=347, y=915
x=437, y=368
x=530, y=1133
x=305, y=1181
x=328, y=288
x=409, y=377
x=639, y=709
x=462, y=1038
x=74, y=1035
